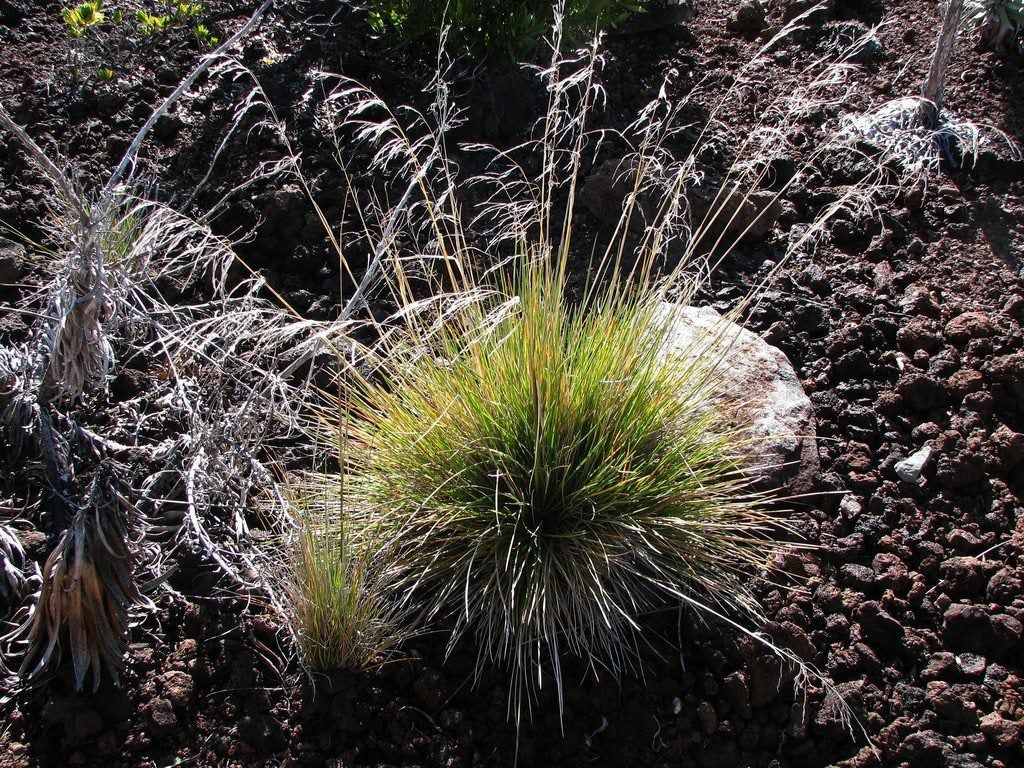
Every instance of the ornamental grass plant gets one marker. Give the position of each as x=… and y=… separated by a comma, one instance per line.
x=545, y=478
x=532, y=469
x=337, y=613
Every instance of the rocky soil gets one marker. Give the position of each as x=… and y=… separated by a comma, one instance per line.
x=906, y=328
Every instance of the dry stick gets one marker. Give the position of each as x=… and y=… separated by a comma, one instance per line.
x=133, y=148
x=935, y=83
x=59, y=179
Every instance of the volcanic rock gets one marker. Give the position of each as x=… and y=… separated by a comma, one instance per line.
x=967, y=326
x=749, y=18
x=878, y=625
x=758, y=384
x=909, y=470
x=13, y=261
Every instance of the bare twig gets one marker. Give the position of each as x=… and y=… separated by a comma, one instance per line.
x=128, y=160
x=935, y=82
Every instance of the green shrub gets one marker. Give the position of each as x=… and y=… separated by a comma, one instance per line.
x=83, y=17
x=502, y=29
x=546, y=477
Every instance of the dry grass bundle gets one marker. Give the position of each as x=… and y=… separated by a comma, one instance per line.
x=88, y=590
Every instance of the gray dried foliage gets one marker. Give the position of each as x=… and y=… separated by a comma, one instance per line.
x=916, y=133
x=190, y=447
x=88, y=589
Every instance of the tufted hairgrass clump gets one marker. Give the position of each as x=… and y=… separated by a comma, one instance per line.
x=531, y=460
x=545, y=477
x=338, y=617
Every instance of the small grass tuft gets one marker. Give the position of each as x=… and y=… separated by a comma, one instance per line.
x=337, y=615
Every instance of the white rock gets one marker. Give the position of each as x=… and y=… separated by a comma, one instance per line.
x=849, y=507
x=757, y=382
x=909, y=470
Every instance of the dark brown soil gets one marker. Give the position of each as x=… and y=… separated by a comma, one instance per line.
x=906, y=329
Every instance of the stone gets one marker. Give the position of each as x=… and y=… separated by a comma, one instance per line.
x=890, y=571
x=737, y=693
x=950, y=702
x=924, y=749
x=816, y=10
x=13, y=11
x=745, y=217
x=878, y=626
x=858, y=576
x=850, y=508
x=996, y=160
x=963, y=541
x=163, y=721
x=1002, y=732
x=965, y=381
x=941, y=665
x=167, y=128
x=967, y=326
x=1005, y=585
x=793, y=637
x=971, y=628
x=919, y=300
x=848, y=547
x=178, y=687
x=430, y=688
x=962, y=575
x=14, y=263
x=85, y=726
x=759, y=386
x=960, y=470
x=919, y=333
x=921, y=391
x=749, y=18
x=909, y=470
x=1009, y=447
x=719, y=754
x=708, y=719
x=1008, y=370
x=971, y=665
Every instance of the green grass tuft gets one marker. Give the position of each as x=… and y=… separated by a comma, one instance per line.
x=545, y=480
x=337, y=614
